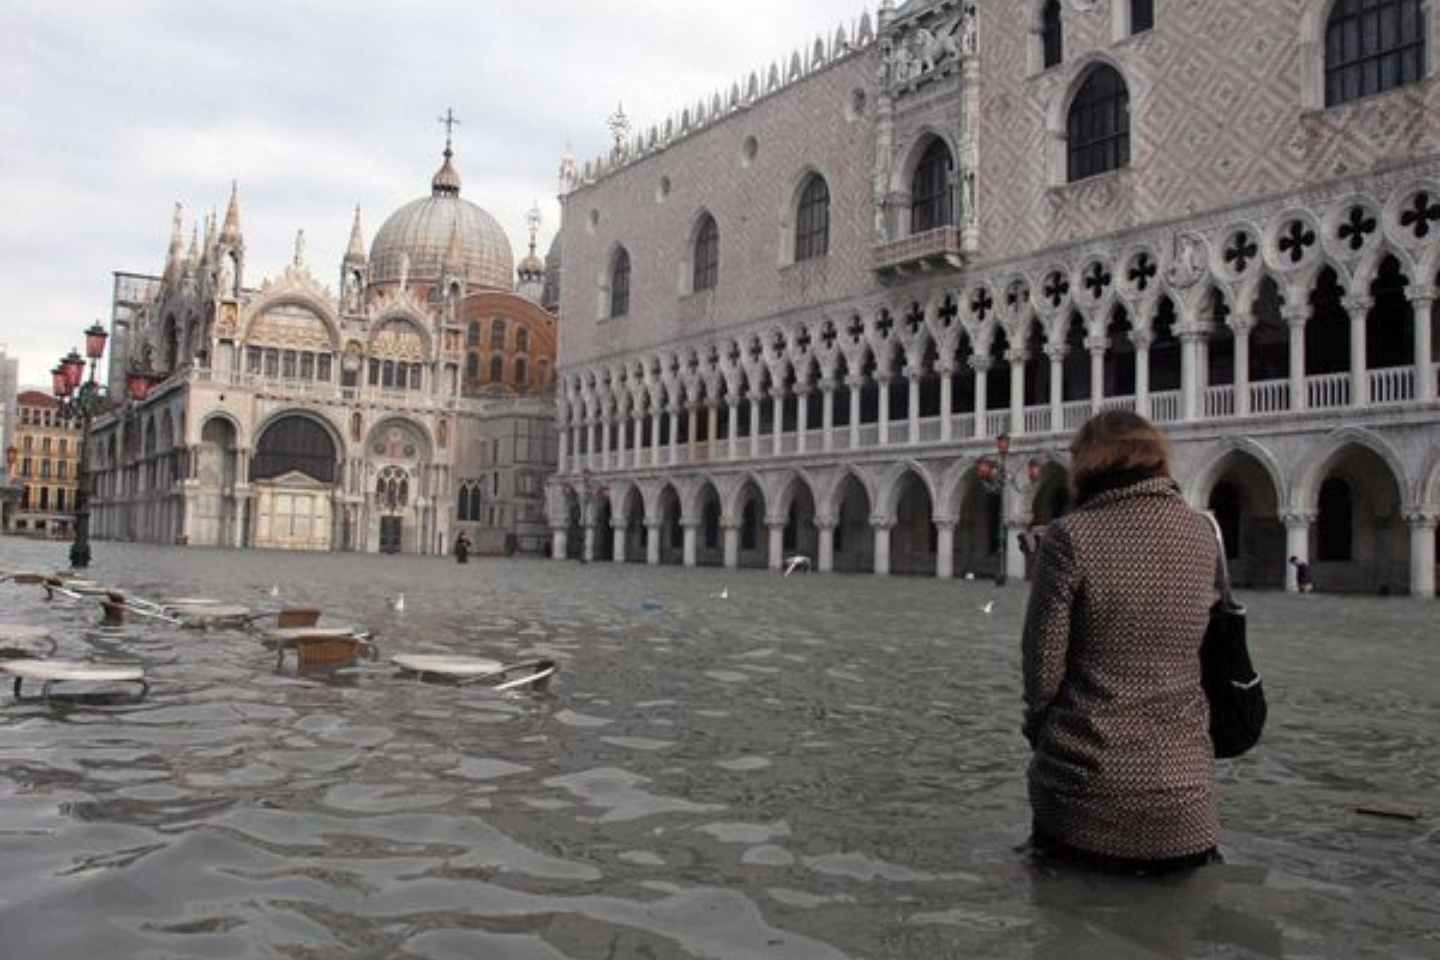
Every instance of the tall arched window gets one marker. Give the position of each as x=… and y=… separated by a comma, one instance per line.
x=522, y=340
x=1052, y=37
x=497, y=333
x=497, y=369
x=472, y=366
x=707, y=255
x=932, y=202
x=472, y=335
x=1098, y=127
x=1142, y=15
x=812, y=220
x=521, y=372
x=620, y=283
x=1372, y=46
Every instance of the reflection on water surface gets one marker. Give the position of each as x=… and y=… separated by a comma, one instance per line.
x=812, y=767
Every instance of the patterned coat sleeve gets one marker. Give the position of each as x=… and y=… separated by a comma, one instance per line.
x=1046, y=640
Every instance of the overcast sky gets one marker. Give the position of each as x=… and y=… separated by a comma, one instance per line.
x=112, y=112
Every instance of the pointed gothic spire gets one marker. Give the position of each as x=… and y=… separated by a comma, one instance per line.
x=175, y=261
x=230, y=233
x=355, y=253
x=207, y=250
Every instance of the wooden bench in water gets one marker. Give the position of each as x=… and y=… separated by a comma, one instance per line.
x=51, y=672
x=492, y=674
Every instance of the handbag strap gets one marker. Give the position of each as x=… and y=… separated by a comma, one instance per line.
x=1222, y=568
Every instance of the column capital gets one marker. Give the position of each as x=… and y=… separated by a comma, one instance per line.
x=824, y=521
x=1358, y=303
x=1422, y=519
x=1298, y=518
x=881, y=522
x=944, y=523
x=1097, y=344
x=1295, y=316
x=979, y=364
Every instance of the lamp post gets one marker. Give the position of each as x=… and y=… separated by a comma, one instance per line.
x=997, y=474
x=9, y=490
x=81, y=398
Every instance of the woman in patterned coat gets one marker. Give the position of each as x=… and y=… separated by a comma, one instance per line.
x=1122, y=773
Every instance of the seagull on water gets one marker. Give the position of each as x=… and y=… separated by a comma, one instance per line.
x=989, y=606
x=398, y=604
x=724, y=594
x=799, y=561
x=274, y=589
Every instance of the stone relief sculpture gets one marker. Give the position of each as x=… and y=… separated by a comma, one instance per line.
x=926, y=49
x=1187, y=265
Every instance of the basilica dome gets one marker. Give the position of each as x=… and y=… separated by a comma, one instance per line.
x=416, y=240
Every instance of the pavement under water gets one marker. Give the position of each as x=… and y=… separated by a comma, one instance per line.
x=729, y=764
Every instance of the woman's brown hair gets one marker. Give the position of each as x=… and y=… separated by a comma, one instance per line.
x=1114, y=449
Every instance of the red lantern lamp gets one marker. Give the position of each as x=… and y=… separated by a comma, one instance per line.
x=1035, y=468
x=95, y=339
x=60, y=381
x=74, y=366
x=986, y=468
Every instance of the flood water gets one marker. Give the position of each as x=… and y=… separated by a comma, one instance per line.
x=729, y=765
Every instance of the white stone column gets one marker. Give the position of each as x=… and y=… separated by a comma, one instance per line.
x=981, y=366
x=606, y=426
x=562, y=462
x=825, y=527
x=882, y=381
x=1422, y=554
x=731, y=532
x=622, y=431
x=1359, y=310
x=756, y=398
x=777, y=420
x=947, y=401
x=1142, y=340
x=802, y=416
x=655, y=415
x=944, y=549
x=1017, y=392
x=1014, y=556
x=617, y=544
x=674, y=435
x=637, y=446
x=1192, y=387
x=881, y=526
x=1097, y=347
x=652, y=543
x=1056, y=353
x=1240, y=326
x=589, y=553
x=559, y=543
x=733, y=422
x=692, y=425
x=855, y=381
x=712, y=427
x=1423, y=304
x=912, y=405
x=1295, y=319
x=775, y=555
x=592, y=460
x=827, y=414
x=692, y=541
x=1297, y=544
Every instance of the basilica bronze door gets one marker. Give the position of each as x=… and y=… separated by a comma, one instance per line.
x=390, y=534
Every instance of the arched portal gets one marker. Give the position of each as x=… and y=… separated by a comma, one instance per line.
x=854, y=540
x=293, y=476
x=913, y=539
x=1360, y=541
x=213, y=520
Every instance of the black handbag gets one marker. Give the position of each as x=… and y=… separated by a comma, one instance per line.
x=1232, y=685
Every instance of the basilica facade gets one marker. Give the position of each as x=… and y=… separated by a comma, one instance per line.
x=412, y=404
x=855, y=305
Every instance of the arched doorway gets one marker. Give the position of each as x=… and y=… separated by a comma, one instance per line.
x=913, y=539
x=293, y=475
